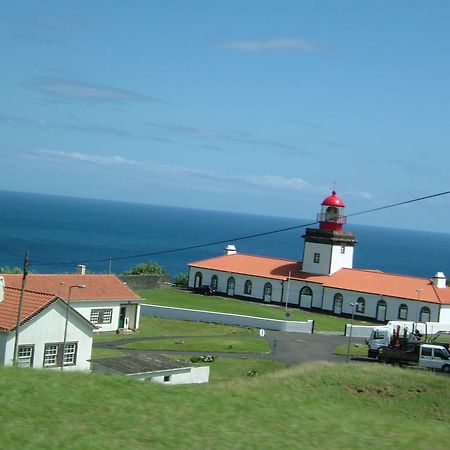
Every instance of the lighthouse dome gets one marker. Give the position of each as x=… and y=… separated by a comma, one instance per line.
x=333, y=200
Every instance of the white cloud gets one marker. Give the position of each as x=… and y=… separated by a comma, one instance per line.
x=282, y=44
x=82, y=91
x=84, y=157
x=210, y=179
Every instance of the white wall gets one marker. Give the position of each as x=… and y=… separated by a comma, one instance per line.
x=48, y=327
x=169, y=312
x=323, y=266
x=85, y=307
x=445, y=314
x=341, y=260
x=192, y=375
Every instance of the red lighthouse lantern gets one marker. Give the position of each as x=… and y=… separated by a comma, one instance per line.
x=331, y=216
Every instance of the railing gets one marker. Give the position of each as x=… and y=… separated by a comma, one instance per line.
x=321, y=217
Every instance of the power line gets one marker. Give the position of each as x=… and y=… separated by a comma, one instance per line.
x=239, y=238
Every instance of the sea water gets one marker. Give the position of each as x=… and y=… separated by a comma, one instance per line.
x=61, y=232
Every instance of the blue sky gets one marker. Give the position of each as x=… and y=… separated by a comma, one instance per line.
x=247, y=106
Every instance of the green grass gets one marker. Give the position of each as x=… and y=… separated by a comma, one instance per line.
x=187, y=299
x=155, y=326
x=106, y=353
x=355, y=349
x=230, y=344
x=354, y=406
x=233, y=369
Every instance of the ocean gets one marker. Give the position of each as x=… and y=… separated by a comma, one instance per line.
x=61, y=232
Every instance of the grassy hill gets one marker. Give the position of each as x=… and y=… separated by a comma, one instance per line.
x=328, y=406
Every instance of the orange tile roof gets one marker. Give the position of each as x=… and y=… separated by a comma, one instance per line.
x=98, y=287
x=364, y=281
x=259, y=266
x=33, y=303
x=388, y=284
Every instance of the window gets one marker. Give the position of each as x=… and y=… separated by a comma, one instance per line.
x=25, y=356
x=403, y=312
x=438, y=353
x=214, y=282
x=248, y=287
x=425, y=314
x=166, y=378
x=360, y=305
x=267, y=289
x=53, y=354
x=306, y=291
x=342, y=249
x=317, y=257
x=426, y=352
x=101, y=315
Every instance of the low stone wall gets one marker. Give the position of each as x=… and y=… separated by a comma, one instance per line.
x=139, y=282
x=193, y=315
x=359, y=331
x=427, y=328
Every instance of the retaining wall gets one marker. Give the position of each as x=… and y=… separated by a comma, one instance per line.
x=169, y=312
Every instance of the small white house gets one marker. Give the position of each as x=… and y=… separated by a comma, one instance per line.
x=46, y=324
x=156, y=368
x=104, y=300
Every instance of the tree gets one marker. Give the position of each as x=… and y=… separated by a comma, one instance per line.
x=150, y=268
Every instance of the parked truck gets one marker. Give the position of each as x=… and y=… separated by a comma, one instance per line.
x=396, y=344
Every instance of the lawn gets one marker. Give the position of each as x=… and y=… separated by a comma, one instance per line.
x=229, y=344
x=354, y=406
x=155, y=326
x=187, y=299
x=355, y=349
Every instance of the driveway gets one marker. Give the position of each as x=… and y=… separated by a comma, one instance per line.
x=290, y=348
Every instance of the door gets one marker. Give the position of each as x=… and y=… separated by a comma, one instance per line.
x=381, y=311
x=337, y=307
x=306, y=297
x=267, y=292
x=122, y=315
x=230, y=286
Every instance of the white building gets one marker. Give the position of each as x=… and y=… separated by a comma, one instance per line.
x=325, y=279
x=104, y=300
x=156, y=368
x=46, y=324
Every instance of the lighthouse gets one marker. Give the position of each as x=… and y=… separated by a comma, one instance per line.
x=328, y=248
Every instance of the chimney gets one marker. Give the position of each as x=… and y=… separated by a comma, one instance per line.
x=230, y=249
x=2, y=288
x=81, y=269
x=439, y=280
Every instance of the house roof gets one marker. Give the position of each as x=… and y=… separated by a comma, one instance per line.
x=141, y=364
x=364, y=281
x=258, y=266
x=98, y=287
x=33, y=303
x=388, y=284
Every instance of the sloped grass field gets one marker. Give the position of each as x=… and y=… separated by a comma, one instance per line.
x=187, y=299
x=353, y=406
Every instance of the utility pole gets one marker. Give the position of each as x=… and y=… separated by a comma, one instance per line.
x=19, y=309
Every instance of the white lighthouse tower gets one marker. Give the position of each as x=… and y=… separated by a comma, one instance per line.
x=328, y=248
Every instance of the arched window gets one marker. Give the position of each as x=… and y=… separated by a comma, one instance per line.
x=360, y=305
x=381, y=310
x=267, y=292
x=198, y=280
x=337, y=305
x=403, y=312
x=425, y=314
x=248, y=287
x=305, y=297
x=306, y=290
x=230, y=286
x=214, y=282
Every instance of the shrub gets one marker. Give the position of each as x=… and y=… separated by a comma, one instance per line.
x=181, y=280
x=150, y=268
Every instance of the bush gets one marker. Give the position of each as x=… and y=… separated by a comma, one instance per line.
x=150, y=268
x=203, y=358
x=181, y=280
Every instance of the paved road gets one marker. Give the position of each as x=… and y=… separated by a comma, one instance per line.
x=290, y=348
